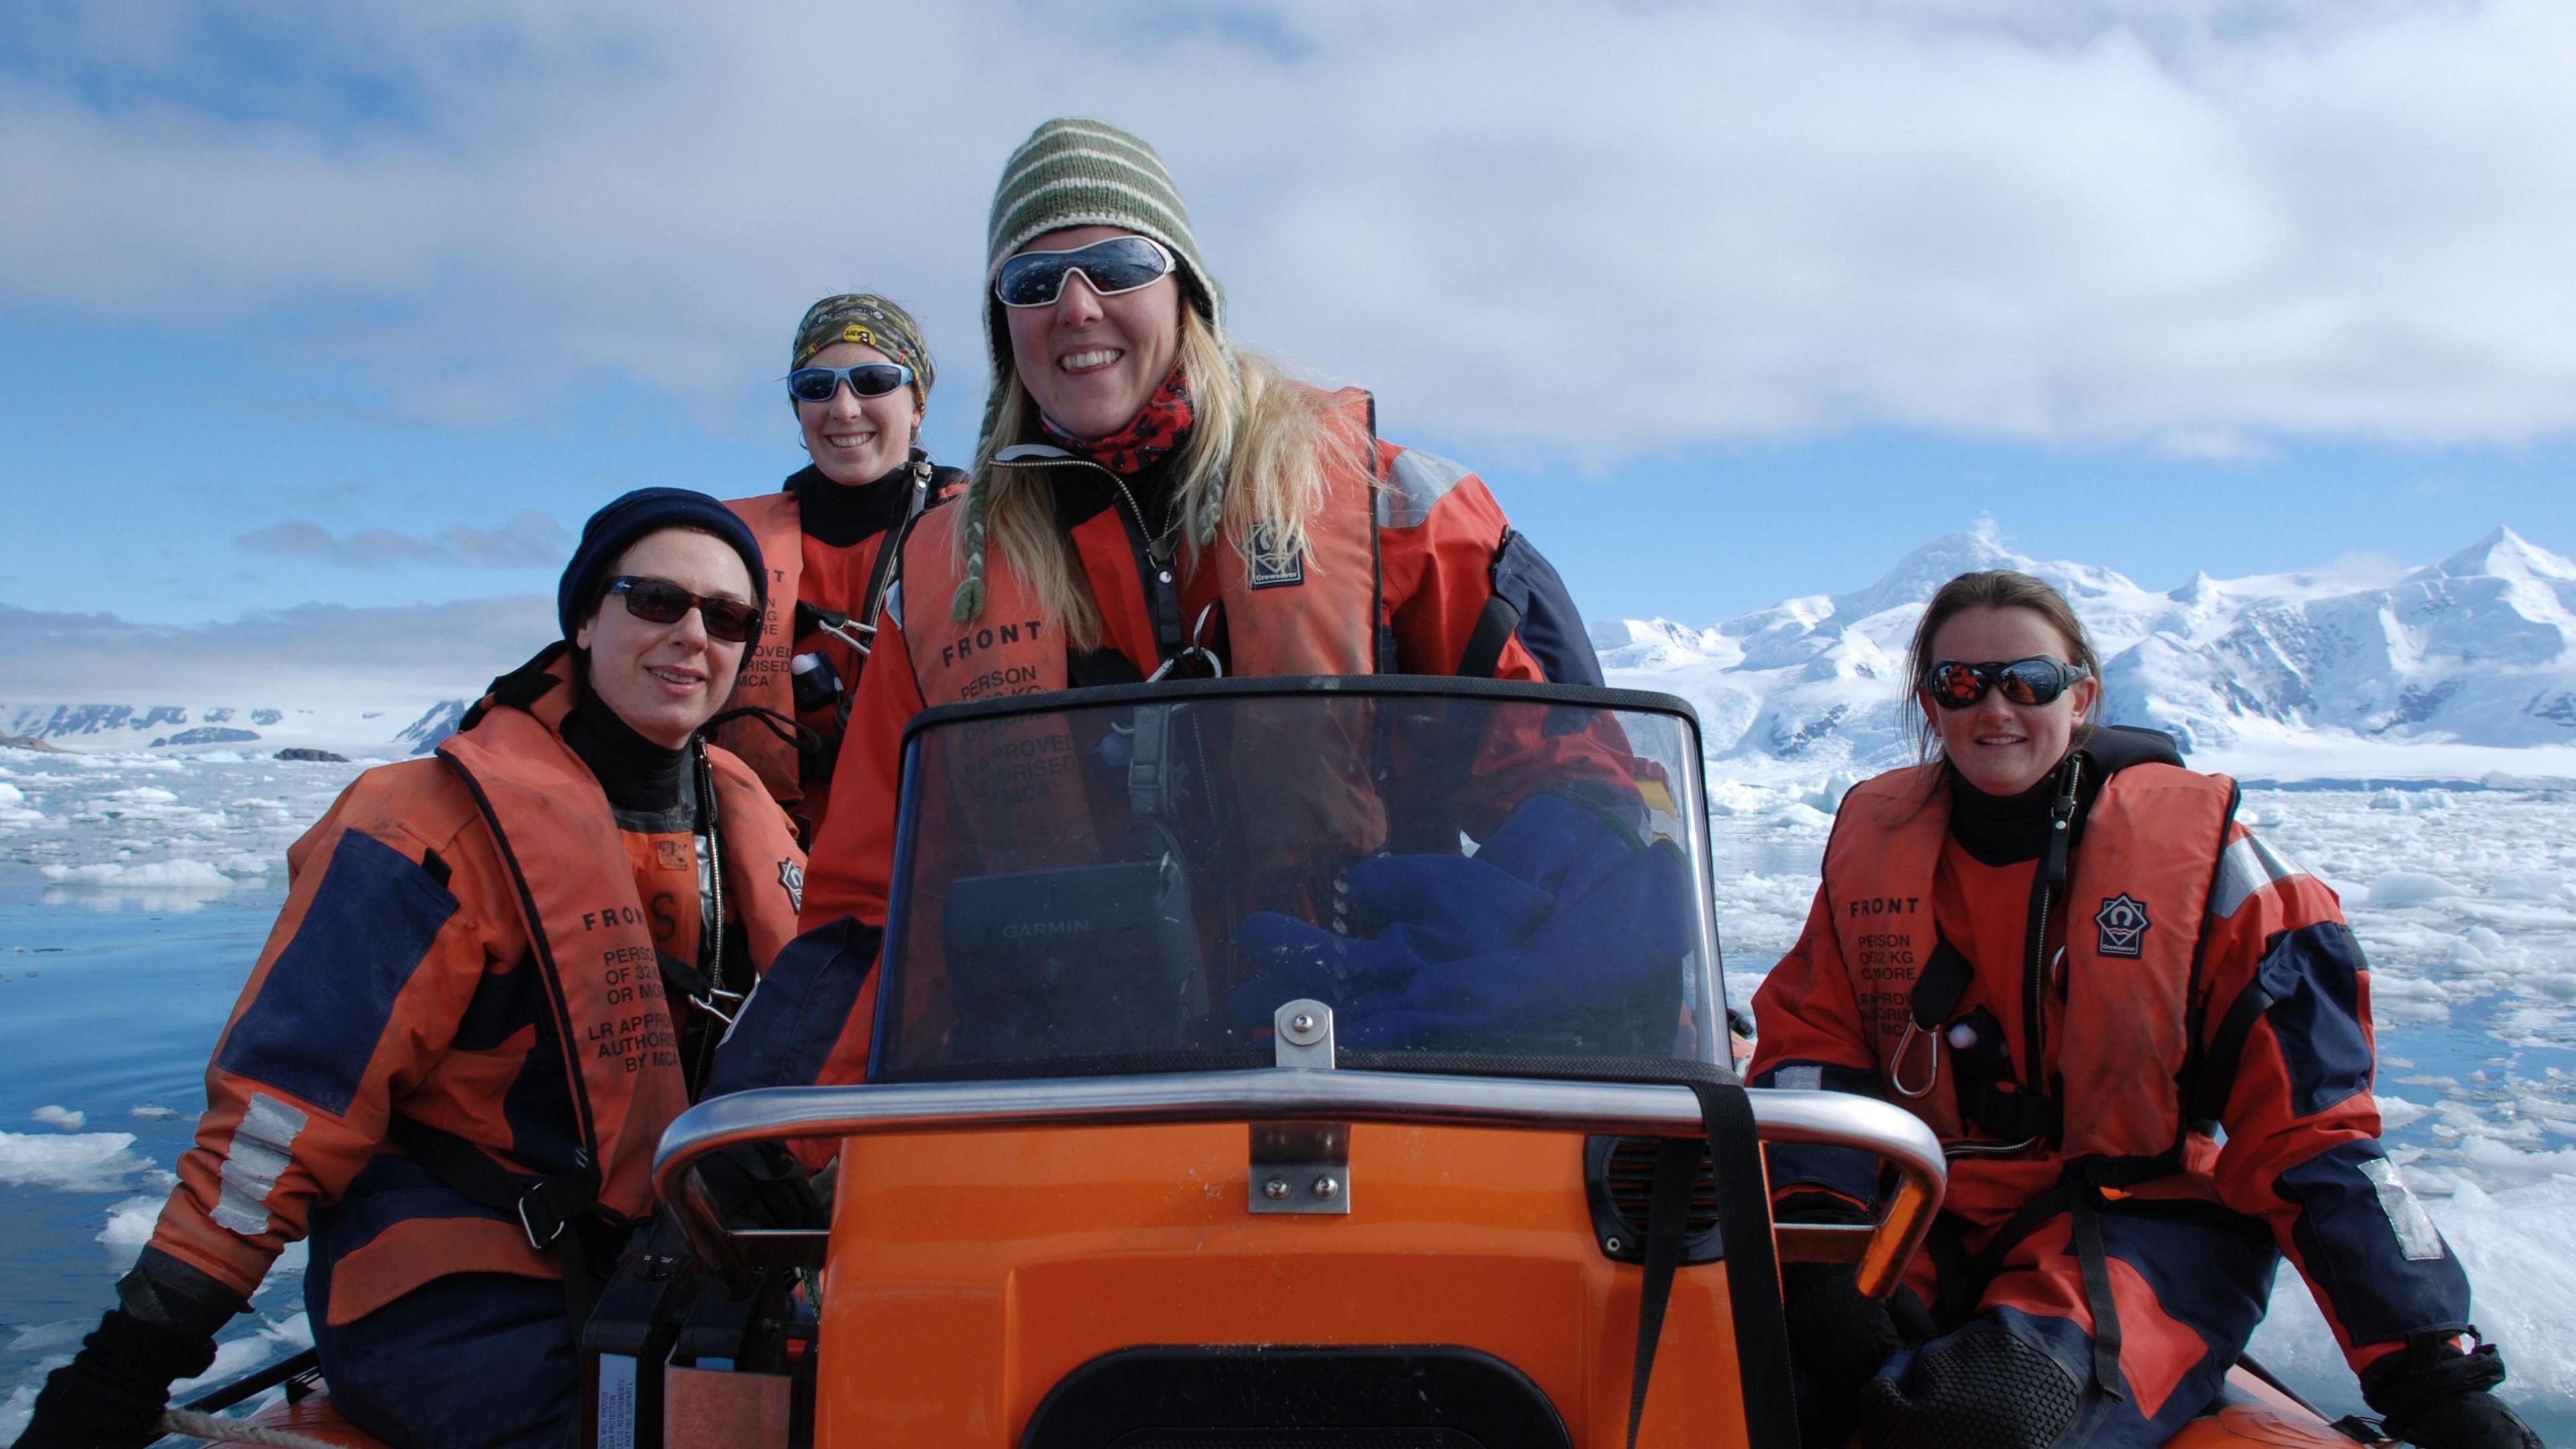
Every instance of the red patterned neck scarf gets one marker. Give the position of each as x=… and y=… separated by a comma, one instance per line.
x=1147, y=437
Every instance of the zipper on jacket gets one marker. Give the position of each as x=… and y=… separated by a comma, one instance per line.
x=2052, y=874
x=718, y=993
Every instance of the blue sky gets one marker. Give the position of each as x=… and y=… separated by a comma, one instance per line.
x=301, y=304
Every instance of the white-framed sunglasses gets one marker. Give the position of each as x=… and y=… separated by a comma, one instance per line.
x=1109, y=266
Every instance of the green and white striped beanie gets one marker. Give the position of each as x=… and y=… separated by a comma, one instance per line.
x=1077, y=172
x=1073, y=171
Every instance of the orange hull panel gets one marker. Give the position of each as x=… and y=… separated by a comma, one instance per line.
x=971, y=1273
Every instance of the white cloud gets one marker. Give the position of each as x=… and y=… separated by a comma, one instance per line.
x=529, y=540
x=398, y=653
x=1609, y=230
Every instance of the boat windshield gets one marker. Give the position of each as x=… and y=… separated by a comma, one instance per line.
x=1135, y=879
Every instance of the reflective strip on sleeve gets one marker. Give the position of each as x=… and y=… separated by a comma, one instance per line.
x=2417, y=1238
x=2243, y=869
x=1415, y=484
x=262, y=1146
x=1807, y=1077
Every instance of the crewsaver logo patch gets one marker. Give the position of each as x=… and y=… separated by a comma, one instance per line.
x=2123, y=923
x=792, y=876
x=1274, y=567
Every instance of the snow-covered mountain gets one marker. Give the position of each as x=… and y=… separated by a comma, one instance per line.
x=374, y=683
x=2439, y=670
x=2460, y=669
x=346, y=728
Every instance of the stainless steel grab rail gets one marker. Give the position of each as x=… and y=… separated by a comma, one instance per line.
x=1829, y=1119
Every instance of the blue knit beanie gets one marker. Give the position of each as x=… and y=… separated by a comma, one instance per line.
x=615, y=528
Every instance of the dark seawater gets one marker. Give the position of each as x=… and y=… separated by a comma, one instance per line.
x=107, y=1003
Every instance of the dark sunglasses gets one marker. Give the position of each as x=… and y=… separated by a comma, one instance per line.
x=660, y=601
x=1111, y=265
x=2038, y=680
x=867, y=379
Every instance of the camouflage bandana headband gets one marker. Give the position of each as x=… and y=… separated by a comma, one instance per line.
x=870, y=321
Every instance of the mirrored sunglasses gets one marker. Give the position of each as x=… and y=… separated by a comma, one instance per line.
x=2035, y=681
x=1109, y=266
x=867, y=379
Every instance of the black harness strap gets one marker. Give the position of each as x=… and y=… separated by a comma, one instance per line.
x=1942, y=986
x=1484, y=652
x=2016, y=1115
x=1677, y=1161
x=559, y=1214
x=2079, y=1195
x=2215, y=1078
x=542, y=1205
x=2095, y=1265
x=803, y=738
x=2045, y=885
x=873, y=601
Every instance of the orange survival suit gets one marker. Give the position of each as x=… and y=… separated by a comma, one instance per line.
x=828, y=546
x=473, y=957
x=2082, y=1026
x=1411, y=568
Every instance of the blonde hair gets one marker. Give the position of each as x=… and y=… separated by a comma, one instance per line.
x=1992, y=589
x=1252, y=471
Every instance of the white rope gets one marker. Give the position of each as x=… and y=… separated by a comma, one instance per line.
x=236, y=1431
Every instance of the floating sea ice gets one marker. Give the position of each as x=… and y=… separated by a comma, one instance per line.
x=1738, y=797
x=2527, y=885
x=2489, y=1158
x=245, y=862
x=15, y=812
x=153, y=1112
x=62, y=1117
x=2519, y=1247
x=2408, y=888
x=2396, y=1112
x=236, y=1357
x=153, y=875
x=1828, y=796
x=129, y=1227
x=82, y=1162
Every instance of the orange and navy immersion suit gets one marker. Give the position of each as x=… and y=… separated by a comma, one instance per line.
x=829, y=551
x=1411, y=568
x=2199, y=1014
x=473, y=954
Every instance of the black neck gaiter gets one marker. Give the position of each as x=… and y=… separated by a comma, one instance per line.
x=639, y=776
x=2001, y=829
x=840, y=515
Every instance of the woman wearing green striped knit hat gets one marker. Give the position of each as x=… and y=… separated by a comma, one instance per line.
x=1150, y=501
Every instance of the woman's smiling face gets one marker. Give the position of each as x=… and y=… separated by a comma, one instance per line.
x=857, y=439
x=665, y=680
x=1998, y=746
x=1092, y=362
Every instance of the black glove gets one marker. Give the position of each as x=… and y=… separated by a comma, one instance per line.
x=1838, y=1340
x=761, y=1185
x=2433, y=1395
x=110, y=1396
